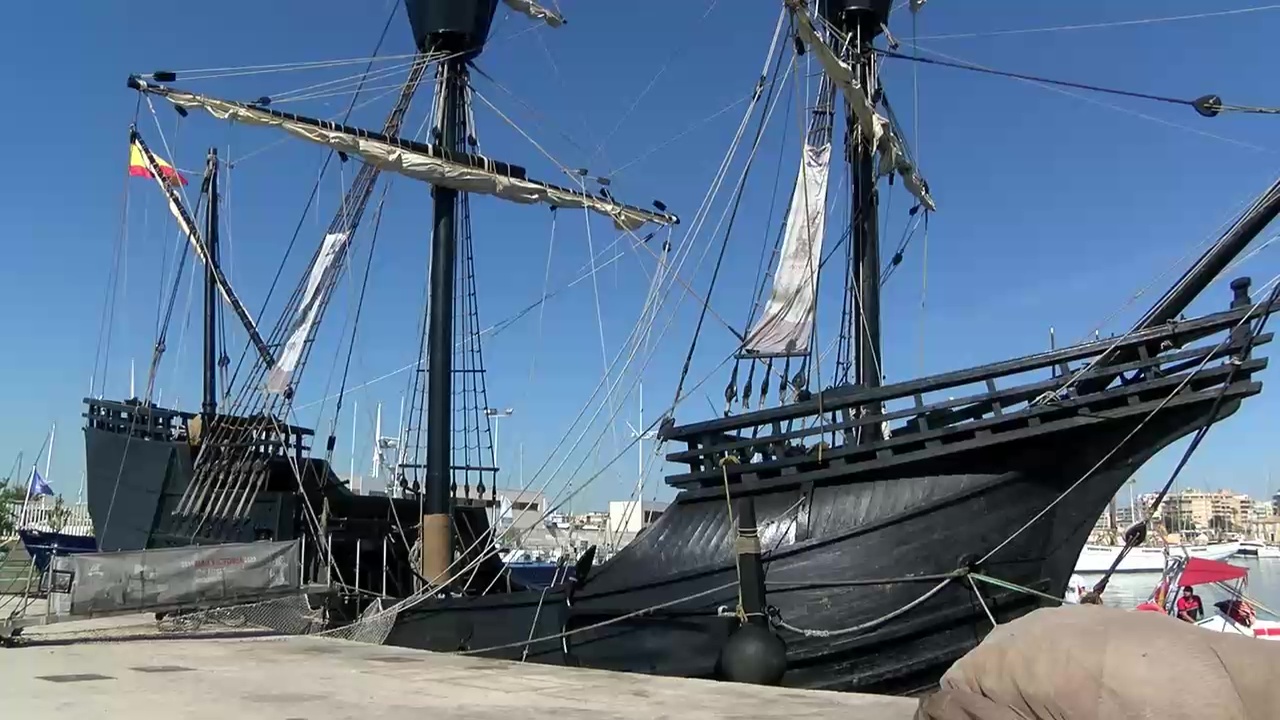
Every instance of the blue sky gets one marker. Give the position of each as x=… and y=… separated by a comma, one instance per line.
x=1054, y=209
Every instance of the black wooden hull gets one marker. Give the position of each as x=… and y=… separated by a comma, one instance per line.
x=139, y=465
x=856, y=528
x=133, y=485
x=852, y=532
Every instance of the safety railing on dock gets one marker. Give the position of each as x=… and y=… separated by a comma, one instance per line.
x=44, y=516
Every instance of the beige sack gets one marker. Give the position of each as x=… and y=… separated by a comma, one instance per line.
x=1096, y=663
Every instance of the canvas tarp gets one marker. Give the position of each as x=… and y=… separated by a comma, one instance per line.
x=1086, y=662
x=121, y=581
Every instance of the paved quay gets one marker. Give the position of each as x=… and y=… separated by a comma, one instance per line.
x=309, y=678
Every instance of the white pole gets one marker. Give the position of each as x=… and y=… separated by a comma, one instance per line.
x=640, y=448
x=521, y=449
x=132, y=393
x=351, y=477
x=48, y=459
x=26, y=498
x=377, y=442
x=401, y=441
x=494, y=414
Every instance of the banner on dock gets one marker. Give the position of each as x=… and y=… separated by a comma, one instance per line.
x=174, y=577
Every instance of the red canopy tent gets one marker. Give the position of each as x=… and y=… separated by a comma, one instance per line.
x=1199, y=571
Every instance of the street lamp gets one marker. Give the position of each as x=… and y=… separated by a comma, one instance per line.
x=495, y=415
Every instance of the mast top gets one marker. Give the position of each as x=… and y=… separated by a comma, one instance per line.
x=871, y=15
x=451, y=26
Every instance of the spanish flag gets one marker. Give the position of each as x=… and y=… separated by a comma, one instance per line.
x=138, y=166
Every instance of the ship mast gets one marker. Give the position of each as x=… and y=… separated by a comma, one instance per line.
x=210, y=404
x=861, y=21
x=458, y=31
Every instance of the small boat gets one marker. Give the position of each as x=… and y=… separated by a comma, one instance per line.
x=1258, y=549
x=43, y=545
x=1234, y=615
x=1097, y=559
x=535, y=572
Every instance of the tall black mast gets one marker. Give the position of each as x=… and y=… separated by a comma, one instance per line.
x=210, y=404
x=861, y=21
x=458, y=30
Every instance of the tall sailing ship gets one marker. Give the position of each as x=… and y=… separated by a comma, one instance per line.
x=828, y=537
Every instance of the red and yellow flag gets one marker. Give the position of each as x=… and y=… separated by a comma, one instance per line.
x=138, y=166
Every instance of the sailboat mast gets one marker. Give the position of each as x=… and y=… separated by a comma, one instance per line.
x=861, y=21
x=210, y=374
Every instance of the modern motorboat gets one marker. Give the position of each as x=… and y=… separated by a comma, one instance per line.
x=1258, y=549
x=1097, y=559
x=1233, y=615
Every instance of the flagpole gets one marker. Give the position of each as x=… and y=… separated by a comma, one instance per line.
x=48, y=459
x=47, y=445
x=26, y=498
x=351, y=478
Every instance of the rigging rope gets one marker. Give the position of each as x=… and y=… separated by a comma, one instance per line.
x=311, y=198
x=777, y=620
x=1093, y=26
x=364, y=287
x=1169, y=398
x=641, y=95
x=1134, y=536
x=724, y=243
x=1207, y=105
x=119, y=253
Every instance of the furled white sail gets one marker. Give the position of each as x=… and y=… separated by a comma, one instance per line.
x=536, y=12
x=893, y=156
x=323, y=275
x=418, y=165
x=786, y=325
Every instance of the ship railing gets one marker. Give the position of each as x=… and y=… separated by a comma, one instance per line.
x=136, y=419
x=1154, y=360
x=150, y=422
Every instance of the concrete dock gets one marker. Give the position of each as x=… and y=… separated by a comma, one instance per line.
x=309, y=678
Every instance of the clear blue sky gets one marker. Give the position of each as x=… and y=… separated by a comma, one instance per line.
x=1053, y=209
